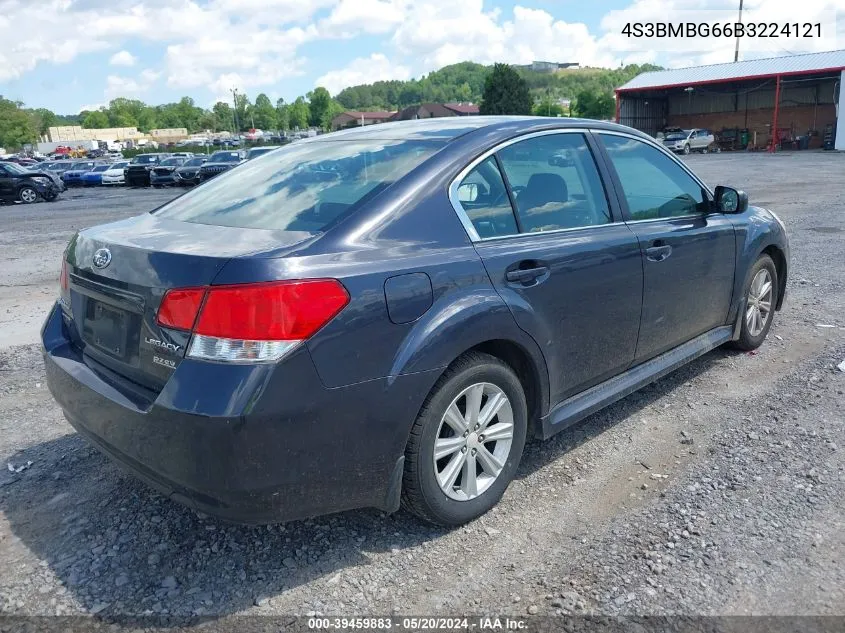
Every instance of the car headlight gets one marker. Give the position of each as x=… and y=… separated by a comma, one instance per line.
x=41, y=180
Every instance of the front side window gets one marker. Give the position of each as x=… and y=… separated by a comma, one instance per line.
x=301, y=187
x=655, y=186
x=555, y=183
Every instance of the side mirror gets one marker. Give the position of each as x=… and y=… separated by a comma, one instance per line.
x=730, y=200
x=468, y=192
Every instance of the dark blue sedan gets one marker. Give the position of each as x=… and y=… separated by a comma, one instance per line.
x=382, y=316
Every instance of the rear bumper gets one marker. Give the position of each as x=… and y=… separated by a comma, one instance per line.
x=253, y=444
x=162, y=180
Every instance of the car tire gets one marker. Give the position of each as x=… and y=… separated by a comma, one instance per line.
x=27, y=194
x=756, y=320
x=51, y=197
x=686, y=149
x=704, y=150
x=473, y=378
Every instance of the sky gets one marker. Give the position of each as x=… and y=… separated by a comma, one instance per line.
x=69, y=55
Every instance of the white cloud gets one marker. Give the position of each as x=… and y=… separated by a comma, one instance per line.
x=351, y=17
x=117, y=86
x=376, y=67
x=123, y=58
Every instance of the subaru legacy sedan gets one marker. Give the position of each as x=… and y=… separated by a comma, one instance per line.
x=381, y=316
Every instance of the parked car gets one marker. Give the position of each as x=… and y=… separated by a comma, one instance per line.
x=221, y=161
x=255, y=152
x=137, y=172
x=687, y=141
x=20, y=184
x=188, y=174
x=386, y=313
x=163, y=173
x=95, y=176
x=58, y=167
x=73, y=176
x=114, y=174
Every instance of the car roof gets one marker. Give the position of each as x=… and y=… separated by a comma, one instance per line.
x=446, y=128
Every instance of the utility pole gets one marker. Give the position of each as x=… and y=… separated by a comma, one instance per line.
x=235, y=110
x=736, y=50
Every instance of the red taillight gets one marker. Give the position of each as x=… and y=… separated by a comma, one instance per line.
x=273, y=311
x=179, y=308
x=277, y=311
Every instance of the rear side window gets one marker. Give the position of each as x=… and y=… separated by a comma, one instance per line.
x=301, y=187
x=555, y=183
x=655, y=186
x=483, y=196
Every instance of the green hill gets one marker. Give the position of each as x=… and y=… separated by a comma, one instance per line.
x=465, y=82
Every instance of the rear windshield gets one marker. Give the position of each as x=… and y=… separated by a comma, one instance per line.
x=144, y=159
x=302, y=187
x=194, y=162
x=225, y=157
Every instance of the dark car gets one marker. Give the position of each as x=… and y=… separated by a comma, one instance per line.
x=74, y=175
x=27, y=185
x=255, y=152
x=163, y=174
x=385, y=314
x=188, y=174
x=221, y=161
x=137, y=172
x=58, y=167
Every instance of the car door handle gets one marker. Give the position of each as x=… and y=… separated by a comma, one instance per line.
x=658, y=253
x=526, y=275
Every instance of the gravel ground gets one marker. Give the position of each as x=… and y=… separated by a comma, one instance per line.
x=718, y=490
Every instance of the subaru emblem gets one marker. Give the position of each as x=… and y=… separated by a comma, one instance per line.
x=102, y=258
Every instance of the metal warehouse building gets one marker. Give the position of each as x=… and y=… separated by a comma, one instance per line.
x=743, y=103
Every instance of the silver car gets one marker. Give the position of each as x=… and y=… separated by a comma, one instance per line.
x=687, y=141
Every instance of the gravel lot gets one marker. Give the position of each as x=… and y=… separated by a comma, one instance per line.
x=717, y=490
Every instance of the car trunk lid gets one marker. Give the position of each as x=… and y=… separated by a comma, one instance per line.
x=118, y=274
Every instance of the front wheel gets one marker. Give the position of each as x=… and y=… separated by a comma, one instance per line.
x=27, y=195
x=761, y=295
x=686, y=148
x=466, y=443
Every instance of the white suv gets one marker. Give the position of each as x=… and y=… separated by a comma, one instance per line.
x=686, y=141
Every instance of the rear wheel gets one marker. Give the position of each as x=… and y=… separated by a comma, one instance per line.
x=27, y=194
x=761, y=295
x=466, y=443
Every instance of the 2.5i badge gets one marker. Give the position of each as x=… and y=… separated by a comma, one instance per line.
x=164, y=362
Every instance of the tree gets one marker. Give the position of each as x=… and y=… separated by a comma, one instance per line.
x=547, y=107
x=299, y=113
x=16, y=125
x=594, y=105
x=242, y=107
x=224, y=115
x=96, y=120
x=319, y=106
x=264, y=113
x=282, y=115
x=45, y=119
x=505, y=92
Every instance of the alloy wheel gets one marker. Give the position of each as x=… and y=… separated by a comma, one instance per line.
x=473, y=441
x=28, y=195
x=759, y=305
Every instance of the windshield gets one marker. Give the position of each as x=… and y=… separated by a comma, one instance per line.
x=258, y=151
x=60, y=165
x=676, y=136
x=101, y=168
x=170, y=162
x=15, y=168
x=225, y=157
x=194, y=162
x=302, y=187
x=144, y=159
x=83, y=166
x=120, y=165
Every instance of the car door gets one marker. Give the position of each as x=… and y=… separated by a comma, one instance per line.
x=688, y=249
x=7, y=183
x=568, y=268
